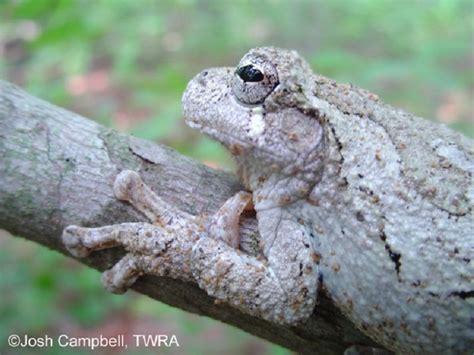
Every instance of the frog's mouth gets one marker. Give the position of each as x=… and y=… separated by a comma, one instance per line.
x=210, y=106
x=203, y=94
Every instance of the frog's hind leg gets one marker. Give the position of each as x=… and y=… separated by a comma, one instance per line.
x=282, y=288
x=153, y=250
x=161, y=248
x=122, y=275
x=80, y=241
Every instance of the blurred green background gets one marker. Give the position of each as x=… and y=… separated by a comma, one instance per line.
x=126, y=64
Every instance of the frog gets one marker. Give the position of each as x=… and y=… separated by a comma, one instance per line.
x=353, y=198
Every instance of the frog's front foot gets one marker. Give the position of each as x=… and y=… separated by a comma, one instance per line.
x=224, y=224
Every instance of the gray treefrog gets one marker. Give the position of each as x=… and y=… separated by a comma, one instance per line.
x=353, y=198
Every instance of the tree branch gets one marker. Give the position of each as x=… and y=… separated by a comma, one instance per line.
x=57, y=168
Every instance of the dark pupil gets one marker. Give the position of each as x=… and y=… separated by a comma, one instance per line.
x=250, y=73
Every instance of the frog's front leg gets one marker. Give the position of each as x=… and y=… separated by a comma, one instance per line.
x=224, y=224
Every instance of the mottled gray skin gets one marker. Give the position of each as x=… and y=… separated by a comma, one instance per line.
x=385, y=199
x=352, y=197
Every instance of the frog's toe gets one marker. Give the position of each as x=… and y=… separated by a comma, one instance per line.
x=73, y=241
x=122, y=275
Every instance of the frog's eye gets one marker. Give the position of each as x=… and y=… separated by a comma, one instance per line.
x=249, y=73
x=254, y=79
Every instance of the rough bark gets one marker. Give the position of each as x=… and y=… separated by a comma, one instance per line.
x=57, y=168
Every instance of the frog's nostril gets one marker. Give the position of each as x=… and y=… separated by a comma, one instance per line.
x=202, y=78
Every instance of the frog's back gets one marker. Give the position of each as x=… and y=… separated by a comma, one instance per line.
x=438, y=161
x=396, y=236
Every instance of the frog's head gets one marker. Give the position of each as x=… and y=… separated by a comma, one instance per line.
x=263, y=113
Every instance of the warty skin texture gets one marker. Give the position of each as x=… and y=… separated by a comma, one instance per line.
x=386, y=198
x=352, y=197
